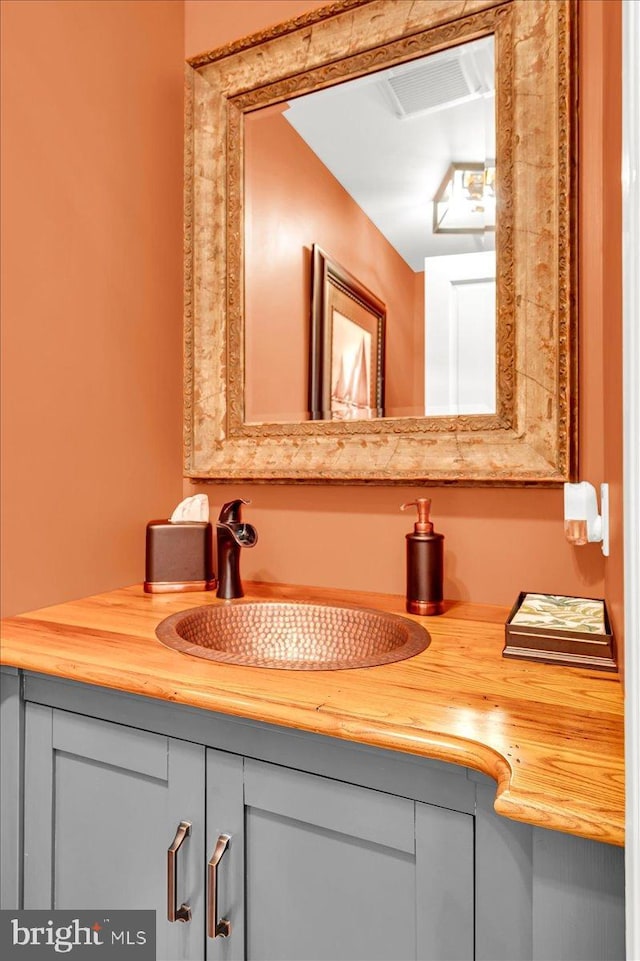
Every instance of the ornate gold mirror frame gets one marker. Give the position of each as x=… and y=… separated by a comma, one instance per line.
x=532, y=438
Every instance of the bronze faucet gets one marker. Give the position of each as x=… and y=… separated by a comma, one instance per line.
x=232, y=534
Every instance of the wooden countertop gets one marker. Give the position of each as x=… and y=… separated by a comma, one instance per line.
x=550, y=736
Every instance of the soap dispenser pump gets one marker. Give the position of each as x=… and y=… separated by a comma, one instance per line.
x=425, y=551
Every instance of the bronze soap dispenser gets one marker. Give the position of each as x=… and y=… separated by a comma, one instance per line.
x=425, y=551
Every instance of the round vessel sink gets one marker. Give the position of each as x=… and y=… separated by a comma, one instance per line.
x=299, y=637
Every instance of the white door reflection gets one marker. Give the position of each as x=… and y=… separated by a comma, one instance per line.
x=460, y=334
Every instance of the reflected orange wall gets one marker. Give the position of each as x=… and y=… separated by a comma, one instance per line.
x=91, y=290
x=292, y=202
x=498, y=542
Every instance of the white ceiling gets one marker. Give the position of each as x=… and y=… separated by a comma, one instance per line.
x=393, y=166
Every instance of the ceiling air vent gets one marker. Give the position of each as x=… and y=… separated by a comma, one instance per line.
x=438, y=81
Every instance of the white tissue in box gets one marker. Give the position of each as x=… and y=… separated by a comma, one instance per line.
x=194, y=508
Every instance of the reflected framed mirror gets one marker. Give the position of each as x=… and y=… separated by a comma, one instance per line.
x=426, y=153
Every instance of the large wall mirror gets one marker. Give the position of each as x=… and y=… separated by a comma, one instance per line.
x=380, y=247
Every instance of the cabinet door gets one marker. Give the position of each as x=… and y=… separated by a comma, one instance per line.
x=335, y=871
x=102, y=805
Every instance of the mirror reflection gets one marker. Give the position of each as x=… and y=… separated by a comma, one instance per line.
x=370, y=216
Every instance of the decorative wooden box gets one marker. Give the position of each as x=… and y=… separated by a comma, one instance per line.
x=560, y=630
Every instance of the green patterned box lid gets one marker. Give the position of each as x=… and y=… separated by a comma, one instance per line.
x=562, y=613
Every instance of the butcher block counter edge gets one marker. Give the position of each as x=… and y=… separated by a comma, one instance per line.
x=550, y=736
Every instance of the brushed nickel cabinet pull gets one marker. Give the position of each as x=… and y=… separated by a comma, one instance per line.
x=215, y=928
x=175, y=913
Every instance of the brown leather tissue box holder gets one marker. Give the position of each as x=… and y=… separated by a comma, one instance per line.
x=555, y=629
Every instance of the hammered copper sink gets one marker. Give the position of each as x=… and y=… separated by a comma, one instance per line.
x=295, y=636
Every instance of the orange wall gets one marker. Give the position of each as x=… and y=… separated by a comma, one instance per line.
x=91, y=301
x=609, y=39
x=91, y=290
x=498, y=542
x=212, y=23
x=292, y=202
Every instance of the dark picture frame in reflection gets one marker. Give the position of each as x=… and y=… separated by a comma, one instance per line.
x=347, y=344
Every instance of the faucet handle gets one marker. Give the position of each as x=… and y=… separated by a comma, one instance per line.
x=246, y=535
x=231, y=512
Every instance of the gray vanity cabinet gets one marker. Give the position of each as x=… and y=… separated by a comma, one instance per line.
x=336, y=850
x=334, y=870
x=315, y=869
x=102, y=805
